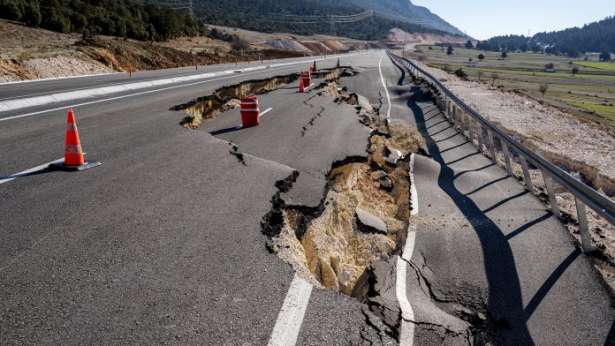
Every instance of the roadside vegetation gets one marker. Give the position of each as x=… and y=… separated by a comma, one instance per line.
x=583, y=88
x=121, y=18
x=269, y=16
x=573, y=42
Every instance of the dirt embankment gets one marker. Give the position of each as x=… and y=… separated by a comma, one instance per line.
x=29, y=53
x=399, y=36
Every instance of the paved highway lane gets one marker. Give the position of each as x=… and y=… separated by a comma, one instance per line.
x=161, y=244
x=483, y=242
x=45, y=86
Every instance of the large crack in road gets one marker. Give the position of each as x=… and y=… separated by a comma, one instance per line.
x=350, y=241
x=228, y=97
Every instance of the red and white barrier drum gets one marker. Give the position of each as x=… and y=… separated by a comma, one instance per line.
x=250, y=111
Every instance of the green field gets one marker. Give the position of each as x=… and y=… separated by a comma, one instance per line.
x=607, y=66
x=588, y=94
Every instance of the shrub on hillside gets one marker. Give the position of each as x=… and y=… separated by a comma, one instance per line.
x=461, y=73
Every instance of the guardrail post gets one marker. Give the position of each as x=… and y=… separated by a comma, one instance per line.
x=469, y=126
x=526, y=174
x=549, y=184
x=586, y=240
x=492, y=146
x=481, y=138
x=470, y=129
x=507, y=158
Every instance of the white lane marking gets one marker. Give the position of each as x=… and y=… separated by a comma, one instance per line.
x=16, y=104
x=309, y=87
x=117, y=98
x=406, y=335
x=414, y=198
x=290, y=318
x=386, y=90
x=265, y=112
x=29, y=171
x=279, y=67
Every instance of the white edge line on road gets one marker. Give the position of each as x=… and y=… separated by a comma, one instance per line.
x=406, y=335
x=29, y=171
x=122, y=97
x=386, y=90
x=287, y=326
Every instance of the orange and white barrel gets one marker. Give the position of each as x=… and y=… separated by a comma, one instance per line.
x=250, y=112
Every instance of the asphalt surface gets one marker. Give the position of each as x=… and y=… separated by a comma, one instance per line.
x=162, y=244
x=42, y=87
x=484, y=243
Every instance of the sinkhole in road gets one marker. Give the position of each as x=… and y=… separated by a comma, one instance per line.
x=362, y=219
x=227, y=97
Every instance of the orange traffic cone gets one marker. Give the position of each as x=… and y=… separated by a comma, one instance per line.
x=301, y=85
x=74, y=158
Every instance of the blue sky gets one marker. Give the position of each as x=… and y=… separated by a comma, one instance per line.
x=482, y=19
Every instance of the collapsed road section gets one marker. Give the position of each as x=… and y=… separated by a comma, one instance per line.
x=228, y=97
x=346, y=243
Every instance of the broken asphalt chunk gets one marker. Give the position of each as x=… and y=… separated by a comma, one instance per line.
x=371, y=221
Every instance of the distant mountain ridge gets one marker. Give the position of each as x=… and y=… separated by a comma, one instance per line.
x=406, y=11
x=268, y=16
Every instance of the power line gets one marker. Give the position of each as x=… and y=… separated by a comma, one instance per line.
x=297, y=19
x=172, y=4
x=332, y=20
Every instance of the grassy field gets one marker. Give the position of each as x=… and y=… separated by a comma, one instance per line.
x=608, y=66
x=589, y=94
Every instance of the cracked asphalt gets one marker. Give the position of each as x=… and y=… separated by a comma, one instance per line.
x=162, y=244
x=490, y=253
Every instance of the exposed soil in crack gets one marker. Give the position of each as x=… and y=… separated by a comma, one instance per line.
x=228, y=97
x=360, y=224
x=363, y=217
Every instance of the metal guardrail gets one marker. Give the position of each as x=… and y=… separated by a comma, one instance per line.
x=455, y=109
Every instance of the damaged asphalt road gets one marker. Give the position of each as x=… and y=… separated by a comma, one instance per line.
x=163, y=244
x=491, y=264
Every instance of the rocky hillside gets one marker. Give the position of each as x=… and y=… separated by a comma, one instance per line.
x=406, y=11
x=31, y=53
x=308, y=17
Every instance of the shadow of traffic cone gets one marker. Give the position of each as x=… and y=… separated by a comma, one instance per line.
x=74, y=157
x=301, y=85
